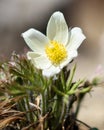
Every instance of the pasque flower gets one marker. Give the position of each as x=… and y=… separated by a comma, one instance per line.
x=52, y=52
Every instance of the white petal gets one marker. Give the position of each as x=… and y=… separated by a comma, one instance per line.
x=76, y=38
x=39, y=61
x=35, y=40
x=71, y=55
x=42, y=62
x=57, y=28
x=51, y=71
x=32, y=55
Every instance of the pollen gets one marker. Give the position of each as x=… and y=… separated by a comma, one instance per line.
x=56, y=52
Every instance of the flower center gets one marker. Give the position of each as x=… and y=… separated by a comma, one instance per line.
x=56, y=52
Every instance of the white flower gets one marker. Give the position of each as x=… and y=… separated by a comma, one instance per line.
x=52, y=52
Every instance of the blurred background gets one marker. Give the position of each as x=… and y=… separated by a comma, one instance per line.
x=17, y=16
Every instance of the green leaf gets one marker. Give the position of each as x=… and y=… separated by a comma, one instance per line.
x=74, y=87
x=70, y=78
x=58, y=91
x=84, y=90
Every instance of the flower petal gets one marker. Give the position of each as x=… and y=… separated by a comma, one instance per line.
x=32, y=55
x=42, y=62
x=51, y=71
x=35, y=40
x=76, y=38
x=57, y=28
x=71, y=54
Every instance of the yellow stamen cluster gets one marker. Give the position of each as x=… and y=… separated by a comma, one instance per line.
x=56, y=52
